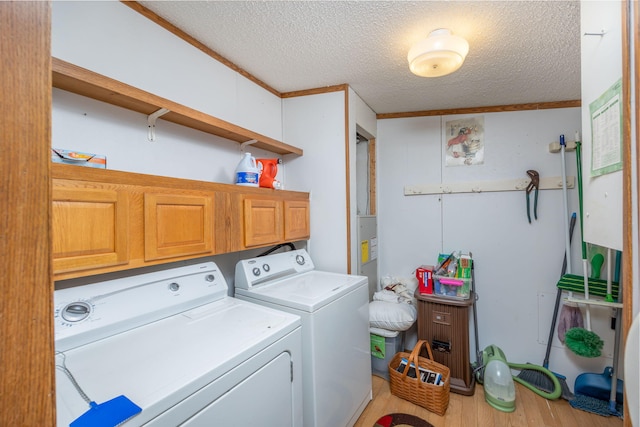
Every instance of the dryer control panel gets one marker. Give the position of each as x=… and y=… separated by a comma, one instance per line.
x=256, y=271
x=84, y=314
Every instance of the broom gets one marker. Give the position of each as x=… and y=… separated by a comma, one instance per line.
x=537, y=378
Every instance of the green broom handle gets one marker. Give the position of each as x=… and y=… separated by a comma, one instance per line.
x=579, y=174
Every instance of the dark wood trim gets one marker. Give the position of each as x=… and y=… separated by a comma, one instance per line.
x=373, y=194
x=27, y=382
x=347, y=148
x=480, y=110
x=192, y=41
x=629, y=9
x=316, y=91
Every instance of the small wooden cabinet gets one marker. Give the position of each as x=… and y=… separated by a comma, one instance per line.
x=272, y=221
x=90, y=226
x=296, y=220
x=263, y=222
x=177, y=225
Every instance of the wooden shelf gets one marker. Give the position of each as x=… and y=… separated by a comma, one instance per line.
x=81, y=81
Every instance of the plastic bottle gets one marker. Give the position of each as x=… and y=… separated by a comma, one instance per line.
x=247, y=172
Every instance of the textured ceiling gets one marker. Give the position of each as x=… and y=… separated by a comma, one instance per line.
x=520, y=51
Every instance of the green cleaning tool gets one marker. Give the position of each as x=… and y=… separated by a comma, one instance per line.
x=494, y=373
x=582, y=341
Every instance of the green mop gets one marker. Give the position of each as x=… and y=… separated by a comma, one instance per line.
x=582, y=341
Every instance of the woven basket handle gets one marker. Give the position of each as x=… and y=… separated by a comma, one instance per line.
x=413, y=357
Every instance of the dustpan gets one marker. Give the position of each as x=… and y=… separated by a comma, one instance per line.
x=599, y=385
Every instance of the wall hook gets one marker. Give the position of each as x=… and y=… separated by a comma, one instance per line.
x=601, y=33
x=249, y=142
x=151, y=121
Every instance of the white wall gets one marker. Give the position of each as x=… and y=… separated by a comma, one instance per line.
x=601, y=68
x=317, y=122
x=517, y=264
x=114, y=40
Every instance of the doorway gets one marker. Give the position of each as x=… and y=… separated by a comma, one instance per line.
x=367, y=224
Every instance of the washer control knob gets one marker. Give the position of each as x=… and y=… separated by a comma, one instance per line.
x=266, y=267
x=300, y=259
x=209, y=278
x=256, y=271
x=174, y=287
x=76, y=311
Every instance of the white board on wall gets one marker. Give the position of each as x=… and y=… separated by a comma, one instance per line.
x=601, y=68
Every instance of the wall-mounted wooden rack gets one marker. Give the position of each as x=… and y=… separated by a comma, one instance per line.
x=546, y=183
x=84, y=82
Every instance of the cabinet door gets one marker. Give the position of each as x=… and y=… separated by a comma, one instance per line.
x=90, y=227
x=177, y=225
x=296, y=220
x=262, y=222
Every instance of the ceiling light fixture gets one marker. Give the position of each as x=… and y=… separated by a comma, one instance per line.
x=441, y=53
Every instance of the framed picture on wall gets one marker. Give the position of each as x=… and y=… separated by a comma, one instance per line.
x=464, y=144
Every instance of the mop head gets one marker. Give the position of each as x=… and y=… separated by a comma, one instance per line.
x=596, y=406
x=583, y=342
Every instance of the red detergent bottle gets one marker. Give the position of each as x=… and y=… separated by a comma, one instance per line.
x=268, y=171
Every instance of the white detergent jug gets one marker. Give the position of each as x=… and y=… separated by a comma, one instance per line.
x=247, y=172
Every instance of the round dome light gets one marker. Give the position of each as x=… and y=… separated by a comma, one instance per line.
x=441, y=53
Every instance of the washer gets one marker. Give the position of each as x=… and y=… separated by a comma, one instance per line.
x=180, y=348
x=334, y=309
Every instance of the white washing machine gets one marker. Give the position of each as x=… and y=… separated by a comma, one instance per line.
x=177, y=346
x=334, y=308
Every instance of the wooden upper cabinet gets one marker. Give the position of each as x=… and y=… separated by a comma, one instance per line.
x=177, y=225
x=296, y=220
x=90, y=226
x=263, y=222
x=106, y=221
x=273, y=221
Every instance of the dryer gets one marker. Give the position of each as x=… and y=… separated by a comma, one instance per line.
x=175, y=344
x=334, y=309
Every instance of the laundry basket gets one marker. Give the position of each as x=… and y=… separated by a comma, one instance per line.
x=433, y=397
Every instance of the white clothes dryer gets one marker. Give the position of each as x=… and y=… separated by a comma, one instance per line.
x=334, y=309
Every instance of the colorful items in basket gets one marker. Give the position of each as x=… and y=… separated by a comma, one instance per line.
x=426, y=375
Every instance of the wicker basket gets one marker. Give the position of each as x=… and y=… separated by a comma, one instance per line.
x=435, y=398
